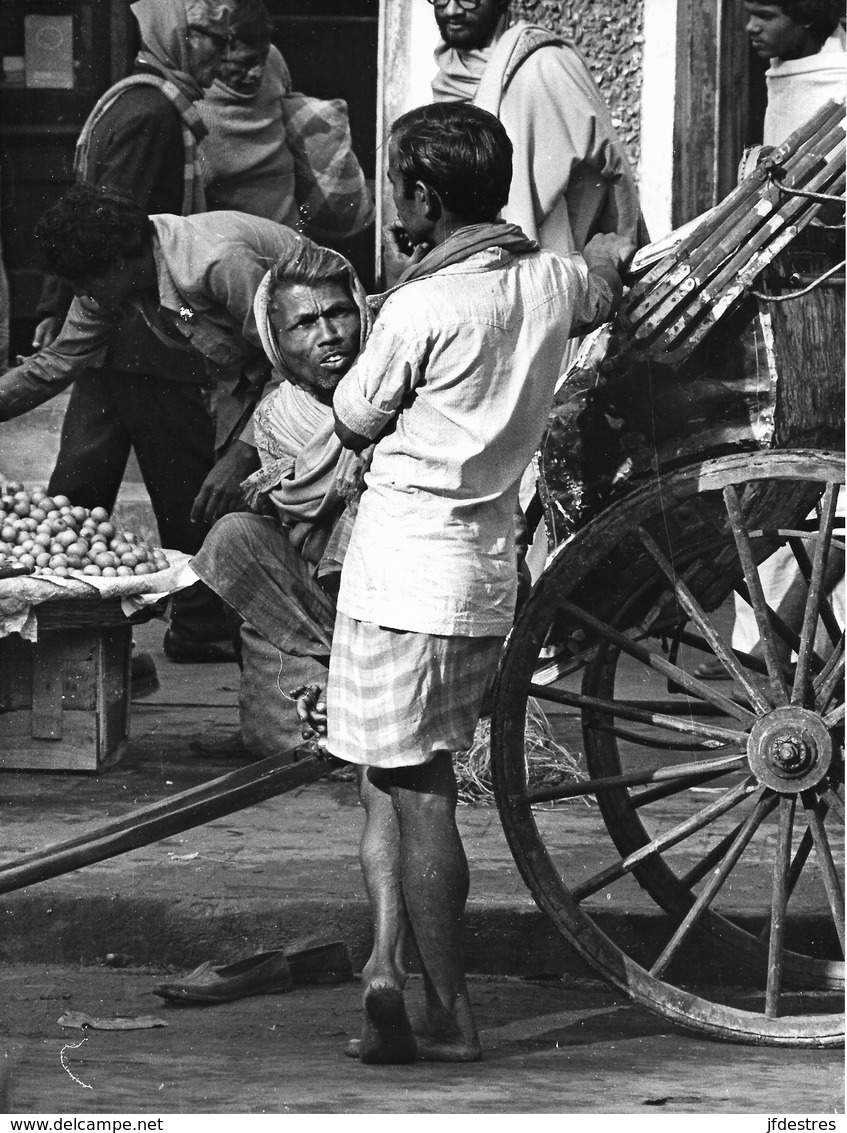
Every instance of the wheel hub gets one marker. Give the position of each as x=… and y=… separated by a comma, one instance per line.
x=789, y=749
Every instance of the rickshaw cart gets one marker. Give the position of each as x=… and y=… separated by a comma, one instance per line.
x=700, y=436
x=703, y=434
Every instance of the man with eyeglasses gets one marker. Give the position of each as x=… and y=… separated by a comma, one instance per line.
x=142, y=138
x=571, y=178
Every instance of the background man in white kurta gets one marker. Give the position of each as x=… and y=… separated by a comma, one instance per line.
x=571, y=175
x=454, y=385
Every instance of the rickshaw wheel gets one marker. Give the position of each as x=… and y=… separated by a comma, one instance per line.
x=721, y=798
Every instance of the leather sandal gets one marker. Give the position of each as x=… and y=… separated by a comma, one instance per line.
x=262, y=974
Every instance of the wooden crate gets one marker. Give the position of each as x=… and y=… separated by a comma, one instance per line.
x=64, y=700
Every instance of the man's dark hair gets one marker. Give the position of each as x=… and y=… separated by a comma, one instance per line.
x=251, y=23
x=89, y=230
x=460, y=151
x=821, y=17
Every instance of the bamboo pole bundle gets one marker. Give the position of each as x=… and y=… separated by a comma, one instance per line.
x=707, y=272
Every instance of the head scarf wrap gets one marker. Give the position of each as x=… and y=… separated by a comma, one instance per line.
x=164, y=28
x=295, y=433
x=459, y=72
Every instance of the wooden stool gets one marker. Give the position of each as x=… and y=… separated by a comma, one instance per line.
x=65, y=699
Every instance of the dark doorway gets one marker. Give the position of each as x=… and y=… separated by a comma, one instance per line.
x=330, y=47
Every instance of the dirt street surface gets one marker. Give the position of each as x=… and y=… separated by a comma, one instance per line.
x=549, y=1048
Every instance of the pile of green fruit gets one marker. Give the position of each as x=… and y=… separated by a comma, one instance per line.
x=50, y=535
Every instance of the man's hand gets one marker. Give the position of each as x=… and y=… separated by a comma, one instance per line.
x=398, y=253
x=47, y=332
x=311, y=708
x=608, y=249
x=221, y=491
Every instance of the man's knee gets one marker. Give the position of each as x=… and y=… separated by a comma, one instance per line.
x=430, y=785
x=233, y=529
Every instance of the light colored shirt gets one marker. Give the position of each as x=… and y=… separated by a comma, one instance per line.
x=462, y=366
x=799, y=87
x=208, y=267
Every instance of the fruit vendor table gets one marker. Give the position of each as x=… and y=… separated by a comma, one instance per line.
x=65, y=652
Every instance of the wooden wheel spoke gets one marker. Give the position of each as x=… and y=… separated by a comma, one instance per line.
x=813, y=603
x=831, y=680
x=672, y=837
x=765, y=804
x=685, y=771
x=827, y=614
x=658, y=663
x=798, y=862
x=644, y=740
x=833, y=718
x=717, y=853
x=829, y=873
x=748, y=660
x=694, y=610
x=674, y=787
x=784, y=631
x=837, y=804
x=551, y=669
x=779, y=902
x=778, y=688
x=616, y=708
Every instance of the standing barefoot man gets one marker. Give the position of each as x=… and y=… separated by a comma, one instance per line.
x=454, y=386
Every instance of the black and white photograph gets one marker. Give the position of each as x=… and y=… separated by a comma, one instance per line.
x=341, y=334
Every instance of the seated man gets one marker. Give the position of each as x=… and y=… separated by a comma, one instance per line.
x=279, y=573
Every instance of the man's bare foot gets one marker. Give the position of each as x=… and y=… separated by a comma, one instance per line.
x=447, y=1048
x=386, y=1032
x=447, y=1036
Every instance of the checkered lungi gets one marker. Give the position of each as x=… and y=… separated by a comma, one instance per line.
x=395, y=698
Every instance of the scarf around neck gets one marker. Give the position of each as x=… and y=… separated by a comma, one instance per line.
x=193, y=131
x=459, y=72
x=463, y=244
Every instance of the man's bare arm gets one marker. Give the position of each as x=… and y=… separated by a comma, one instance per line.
x=348, y=438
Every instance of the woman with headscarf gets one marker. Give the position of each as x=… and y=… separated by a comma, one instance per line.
x=142, y=138
x=279, y=572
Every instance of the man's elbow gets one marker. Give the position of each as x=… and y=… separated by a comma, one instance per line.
x=348, y=438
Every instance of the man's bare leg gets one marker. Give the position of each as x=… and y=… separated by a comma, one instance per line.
x=386, y=1032
x=434, y=875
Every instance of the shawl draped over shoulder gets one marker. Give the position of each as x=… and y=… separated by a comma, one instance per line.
x=571, y=175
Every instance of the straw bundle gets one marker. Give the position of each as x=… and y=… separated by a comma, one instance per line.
x=548, y=761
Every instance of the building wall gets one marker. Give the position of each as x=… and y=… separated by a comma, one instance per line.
x=610, y=35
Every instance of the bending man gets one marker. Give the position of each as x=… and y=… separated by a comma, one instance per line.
x=192, y=279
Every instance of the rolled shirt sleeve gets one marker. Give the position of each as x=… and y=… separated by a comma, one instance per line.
x=82, y=342
x=386, y=373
